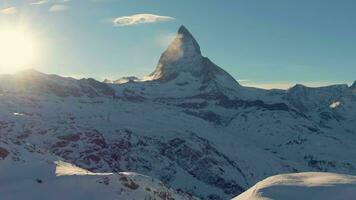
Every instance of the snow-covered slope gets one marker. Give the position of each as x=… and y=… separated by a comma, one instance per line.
x=311, y=185
x=188, y=124
x=32, y=81
x=29, y=173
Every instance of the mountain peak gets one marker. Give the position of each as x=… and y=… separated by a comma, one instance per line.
x=184, y=31
x=187, y=42
x=182, y=55
x=183, y=59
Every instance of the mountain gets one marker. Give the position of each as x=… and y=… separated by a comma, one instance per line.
x=182, y=56
x=188, y=124
x=311, y=185
x=32, y=81
x=182, y=67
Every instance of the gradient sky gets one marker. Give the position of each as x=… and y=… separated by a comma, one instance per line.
x=274, y=43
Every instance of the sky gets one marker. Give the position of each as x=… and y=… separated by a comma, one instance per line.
x=270, y=44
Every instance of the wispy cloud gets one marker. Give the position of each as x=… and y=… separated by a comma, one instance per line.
x=58, y=8
x=64, y=1
x=243, y=80
x=164, y=39
x=39, y=2
x=140, y=19
x=9, y=11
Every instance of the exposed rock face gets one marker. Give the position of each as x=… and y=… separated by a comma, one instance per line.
x=3, y=153
x=131, y=152
x=92, y=87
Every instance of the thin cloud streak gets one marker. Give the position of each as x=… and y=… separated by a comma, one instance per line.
x=65, y=1
x=58, y=8
x=140, y=19
x=9, y=11
x=163, y=40
x=39, y=2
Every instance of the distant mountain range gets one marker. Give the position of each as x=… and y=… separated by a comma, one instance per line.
x=189, y=124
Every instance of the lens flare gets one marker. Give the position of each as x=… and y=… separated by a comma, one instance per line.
x=17, y=50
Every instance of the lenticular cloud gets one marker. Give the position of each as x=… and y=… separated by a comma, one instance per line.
x=140, y=19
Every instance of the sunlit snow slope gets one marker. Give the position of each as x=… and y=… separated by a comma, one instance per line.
x=29, y=173
x=309, y=185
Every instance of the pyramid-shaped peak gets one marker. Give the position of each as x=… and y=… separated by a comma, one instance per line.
x=186, y=42
x=183, y=61
x=184, y=31
x=182, y=55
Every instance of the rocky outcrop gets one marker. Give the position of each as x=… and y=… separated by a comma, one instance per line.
x=3, y=153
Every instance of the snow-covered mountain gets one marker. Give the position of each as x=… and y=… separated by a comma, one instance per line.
x=188, y=124
x=183, y=61
x=308, y=185
x=33, y=82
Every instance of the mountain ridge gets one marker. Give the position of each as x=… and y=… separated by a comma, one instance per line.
x=201, y=133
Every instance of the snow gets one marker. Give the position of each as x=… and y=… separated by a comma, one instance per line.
x=37, y=176
x=307, y=185
x=335, y=104
x=182, y=55
x=66, y=169
x=19, y=114
x=199, y=131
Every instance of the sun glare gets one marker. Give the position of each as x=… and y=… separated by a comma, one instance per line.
x=17, y=50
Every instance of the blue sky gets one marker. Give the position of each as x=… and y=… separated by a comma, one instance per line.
x=274, y=43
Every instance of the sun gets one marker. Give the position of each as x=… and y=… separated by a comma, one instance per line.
x=17, y=49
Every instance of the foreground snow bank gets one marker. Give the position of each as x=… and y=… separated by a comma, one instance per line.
x=308, y=185
x=60, y=180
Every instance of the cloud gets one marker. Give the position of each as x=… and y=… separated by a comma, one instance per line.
x=9, y=11
x=58, y=8
x=243, y=80
x=64, y=1
x=39, y=2
x=164, y=39
x=140, y=19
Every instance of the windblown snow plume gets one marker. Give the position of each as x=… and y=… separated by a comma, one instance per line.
x=309, y=185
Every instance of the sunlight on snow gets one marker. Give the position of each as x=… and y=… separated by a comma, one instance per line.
x=18, y=114
x=66, y=169
x=335, y=104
